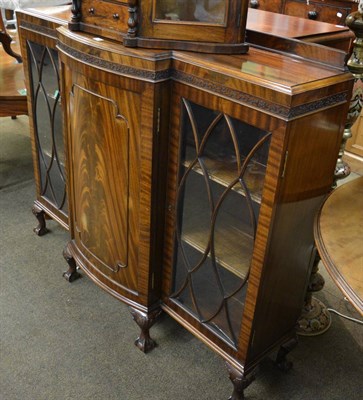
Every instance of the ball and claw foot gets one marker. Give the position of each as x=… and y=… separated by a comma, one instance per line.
x=145, y=321
x=71, y=274
x=39, y=214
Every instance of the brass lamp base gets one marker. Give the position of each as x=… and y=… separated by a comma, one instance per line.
x=314, y=320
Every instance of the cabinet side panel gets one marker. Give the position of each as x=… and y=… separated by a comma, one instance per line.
x=312, y=151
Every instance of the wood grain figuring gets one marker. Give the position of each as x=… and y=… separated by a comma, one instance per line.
x=305, y=175
x=133, y=213
x=273, y=173
x=105, y=14
x=101, y=176
x=338, y=234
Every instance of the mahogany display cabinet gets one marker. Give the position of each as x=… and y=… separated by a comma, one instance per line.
x=193, y=183
x=38, y=46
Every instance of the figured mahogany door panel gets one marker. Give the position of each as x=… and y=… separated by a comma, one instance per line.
x=100, y=141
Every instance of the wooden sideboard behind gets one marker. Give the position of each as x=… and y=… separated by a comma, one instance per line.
x=331, y=11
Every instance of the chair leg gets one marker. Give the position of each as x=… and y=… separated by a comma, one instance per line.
x=6, y=40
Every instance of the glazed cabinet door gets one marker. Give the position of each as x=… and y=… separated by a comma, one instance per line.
x=41, y=67
x=48, y=124
x=216, y=174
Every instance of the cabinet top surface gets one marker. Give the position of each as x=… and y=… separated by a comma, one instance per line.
x=262, y=67
x=259, y=67
x=60, y=14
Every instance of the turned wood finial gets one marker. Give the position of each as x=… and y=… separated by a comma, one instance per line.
x=76, y=11
x=132, y=21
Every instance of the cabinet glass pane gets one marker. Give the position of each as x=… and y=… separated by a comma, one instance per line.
x=48, y=123
x=221, y=177
x=207, y=11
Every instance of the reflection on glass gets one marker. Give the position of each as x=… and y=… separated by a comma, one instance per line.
x=208, y=11
x=221, y=177
x=48, y=123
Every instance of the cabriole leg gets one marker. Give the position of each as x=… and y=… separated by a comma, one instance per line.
x=41, y=229
x=281, y=361
x=72, y=274
x=240, y=382
x=145, y=322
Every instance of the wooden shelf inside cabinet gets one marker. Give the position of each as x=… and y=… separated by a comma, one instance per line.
x=230, y=236
x=222, y=172
x=229, y=239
